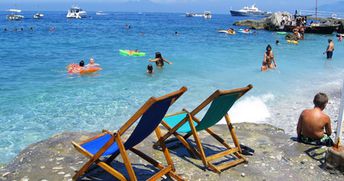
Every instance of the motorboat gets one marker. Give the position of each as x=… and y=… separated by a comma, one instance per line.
x=207, y=14
x=15, y=15
x=76, y=12
x=249, y=11
x=38, y=16
x=189, y=14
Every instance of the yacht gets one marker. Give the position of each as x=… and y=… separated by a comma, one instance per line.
x=14, y=15
x=76, y=12
x=249, y=11
x=38, y=16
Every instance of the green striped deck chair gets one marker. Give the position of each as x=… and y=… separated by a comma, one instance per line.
x=185, y=124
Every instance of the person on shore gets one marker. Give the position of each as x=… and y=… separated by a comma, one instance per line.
x=92, y=63
x=159, y=60
x=269, y=60
x=313, y=122
x=150, y=69
x=329, y=49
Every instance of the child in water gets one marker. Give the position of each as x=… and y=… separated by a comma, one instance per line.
x=150, y=69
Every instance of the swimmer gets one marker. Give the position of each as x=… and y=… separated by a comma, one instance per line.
x=268, y=59
x=82, y=63
x=150, y=69
x=92, y=63
x=176, y=33
x=277, y=42
x=159, y=60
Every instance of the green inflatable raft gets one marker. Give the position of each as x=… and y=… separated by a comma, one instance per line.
x=131, y=53
x=281, y=33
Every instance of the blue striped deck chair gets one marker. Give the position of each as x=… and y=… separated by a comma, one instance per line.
x=102, y=149
x=185, y=124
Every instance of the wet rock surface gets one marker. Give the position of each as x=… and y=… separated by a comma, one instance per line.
x=275, y=157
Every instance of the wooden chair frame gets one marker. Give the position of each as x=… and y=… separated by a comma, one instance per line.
x=117, y=137
x=199, y=152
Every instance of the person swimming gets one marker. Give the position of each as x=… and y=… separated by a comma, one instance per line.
x=92, y=63
x=277, y=42
x=268, y=59
x=150, y=69
x=82, y=63
x=159, y=60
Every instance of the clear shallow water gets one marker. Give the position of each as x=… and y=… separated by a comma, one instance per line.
x=39, y=99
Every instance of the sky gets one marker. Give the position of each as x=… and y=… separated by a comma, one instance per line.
x=216, y=6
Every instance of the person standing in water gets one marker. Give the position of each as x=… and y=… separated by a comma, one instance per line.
x=269, y=61
x=159, y=60
x=329, y=49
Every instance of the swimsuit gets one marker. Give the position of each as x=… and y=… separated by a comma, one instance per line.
x=160, y=62
x=325, y=140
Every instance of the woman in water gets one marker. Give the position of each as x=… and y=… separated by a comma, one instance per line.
x=268, y=59
x=159, y=60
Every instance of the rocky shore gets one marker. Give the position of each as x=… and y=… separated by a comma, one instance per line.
x=273, y=22
x=276, y=157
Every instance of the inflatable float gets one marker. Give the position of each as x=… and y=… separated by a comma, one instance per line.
x=293, y=42
x=227, y=32
x=281, y=33
x=132, y=53
x=76, y=69
x=245, y=31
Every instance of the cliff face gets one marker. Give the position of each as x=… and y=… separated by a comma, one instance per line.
x=275, y=157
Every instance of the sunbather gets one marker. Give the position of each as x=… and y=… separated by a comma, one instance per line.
x=312, y=122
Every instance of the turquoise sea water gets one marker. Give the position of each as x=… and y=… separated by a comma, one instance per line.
x=38, y=98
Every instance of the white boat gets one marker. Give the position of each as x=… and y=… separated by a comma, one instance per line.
x=38, y=16
x=249, y=11
x=76, y=12
x=14, y=15
x=101, y=13
x=207, y=14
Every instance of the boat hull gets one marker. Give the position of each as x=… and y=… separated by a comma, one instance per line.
x=243, y=13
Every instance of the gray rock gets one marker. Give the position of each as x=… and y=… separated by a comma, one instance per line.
x=274, y=158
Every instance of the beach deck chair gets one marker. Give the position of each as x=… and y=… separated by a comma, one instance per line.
x=104, y=148
x=185, y=124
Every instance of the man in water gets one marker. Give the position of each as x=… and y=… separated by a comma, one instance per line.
x=92, y=63
x=330, y=49
x=313, y=122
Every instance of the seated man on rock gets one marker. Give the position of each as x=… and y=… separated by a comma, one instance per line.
x=313, y=122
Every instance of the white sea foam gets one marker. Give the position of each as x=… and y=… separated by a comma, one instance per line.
x=251, y=109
